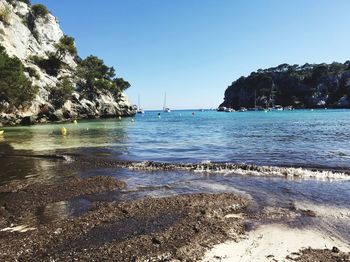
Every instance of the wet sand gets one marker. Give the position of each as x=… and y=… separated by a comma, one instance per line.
x=209, y=227
x=20, y=198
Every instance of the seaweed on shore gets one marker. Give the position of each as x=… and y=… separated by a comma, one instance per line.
x=152, y=229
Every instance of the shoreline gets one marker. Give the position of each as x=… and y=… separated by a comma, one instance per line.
x=190, y=226
x=285, y=171
x=68, y=120
x=8, y=120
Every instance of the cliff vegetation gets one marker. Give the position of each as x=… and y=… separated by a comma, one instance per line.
x=42, y=77
x=306, y=86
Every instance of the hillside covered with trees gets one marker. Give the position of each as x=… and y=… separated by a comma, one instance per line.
x=306, y=86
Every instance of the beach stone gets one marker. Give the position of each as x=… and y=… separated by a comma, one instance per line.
x=335, y=250
x=28, y=120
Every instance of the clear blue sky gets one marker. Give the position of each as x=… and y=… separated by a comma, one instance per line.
x=194, y=49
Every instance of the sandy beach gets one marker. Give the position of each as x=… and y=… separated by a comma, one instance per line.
x=273, y=242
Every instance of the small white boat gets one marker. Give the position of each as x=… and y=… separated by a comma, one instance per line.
x=165, y=108
x=242, y=109
x=279, y=108
x=139, y=109
x=221, y=109
x=229, y=110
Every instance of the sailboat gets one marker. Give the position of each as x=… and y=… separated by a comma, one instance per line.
x=139, y=109
x=165, y=109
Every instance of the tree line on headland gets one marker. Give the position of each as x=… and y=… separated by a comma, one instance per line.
x=306, y=86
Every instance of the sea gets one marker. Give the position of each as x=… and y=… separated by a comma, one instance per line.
x=296, y=158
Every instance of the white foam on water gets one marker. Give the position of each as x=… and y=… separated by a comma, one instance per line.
x=287, y=172
x=244, y=170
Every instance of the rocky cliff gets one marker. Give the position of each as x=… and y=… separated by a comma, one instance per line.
x=33, y=37
x=307, y=86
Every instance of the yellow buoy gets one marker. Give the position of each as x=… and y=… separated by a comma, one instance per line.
x=1, y=132
x=63, y=131
x=120, y=118
x=75, y=122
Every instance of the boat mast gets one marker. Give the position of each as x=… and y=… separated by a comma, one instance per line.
x=138, y=105
x=164, y=105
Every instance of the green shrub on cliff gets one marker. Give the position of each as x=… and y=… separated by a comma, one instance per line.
x=15, y=88
x=39, y=10
x=122, y=85
x=52, y=64
x=65, y=46
x=61, y=93
x=96, y=76
x=32, y=72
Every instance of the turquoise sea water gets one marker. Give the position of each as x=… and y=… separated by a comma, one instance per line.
x=319, y=138
x=300, y=138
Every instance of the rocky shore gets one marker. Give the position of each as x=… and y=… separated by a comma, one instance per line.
x=104, y=106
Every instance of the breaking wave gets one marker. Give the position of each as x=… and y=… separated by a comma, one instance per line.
x=242, y=169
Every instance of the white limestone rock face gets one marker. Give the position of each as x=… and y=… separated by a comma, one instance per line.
x=24, y=42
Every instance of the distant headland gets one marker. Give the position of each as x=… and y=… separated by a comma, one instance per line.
x=306, y=86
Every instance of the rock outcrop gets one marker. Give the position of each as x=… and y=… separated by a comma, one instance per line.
x=24, y=37
x=307, y=86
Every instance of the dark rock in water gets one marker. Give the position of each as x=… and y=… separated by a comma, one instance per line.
x=28, y=120
x=67, y=114
x=56, y=116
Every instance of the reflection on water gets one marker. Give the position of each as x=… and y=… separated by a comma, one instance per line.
x=56, y=211
x=83, y=135
x=295, y=138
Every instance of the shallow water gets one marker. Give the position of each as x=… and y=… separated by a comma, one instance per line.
x=306, y=138
x=300, y=137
